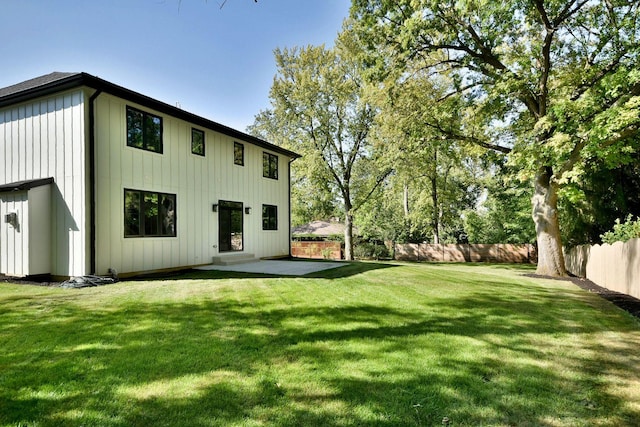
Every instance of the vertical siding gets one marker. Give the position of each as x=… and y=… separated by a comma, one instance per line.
x=46, y=138
x=198, y=182
x=14, y=241
x=39, y=228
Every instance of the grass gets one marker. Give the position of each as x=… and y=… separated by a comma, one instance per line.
x=369, y=344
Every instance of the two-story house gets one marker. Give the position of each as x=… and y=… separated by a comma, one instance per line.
x=94, y=176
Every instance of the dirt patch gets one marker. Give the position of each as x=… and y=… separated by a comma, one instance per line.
x=626, y=302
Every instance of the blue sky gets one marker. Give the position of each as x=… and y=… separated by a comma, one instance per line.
x=215, y=62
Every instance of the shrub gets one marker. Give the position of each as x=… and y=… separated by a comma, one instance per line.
x=368, y=250
x=622, y=231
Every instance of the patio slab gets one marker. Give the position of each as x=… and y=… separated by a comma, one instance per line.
x=277, y=267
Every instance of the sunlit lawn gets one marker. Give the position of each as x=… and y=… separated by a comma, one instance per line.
x=364, y=345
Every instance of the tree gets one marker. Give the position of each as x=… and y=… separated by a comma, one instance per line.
x=603, y=194
x=312, y=195
x=317, y=99
x=548, y=83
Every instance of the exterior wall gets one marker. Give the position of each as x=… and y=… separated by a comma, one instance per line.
x=615, y=267
x=198, y=183
x=39, y=229
x=14, y=238
x=46, y=138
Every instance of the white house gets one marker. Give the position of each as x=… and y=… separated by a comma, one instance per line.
x=94, y=176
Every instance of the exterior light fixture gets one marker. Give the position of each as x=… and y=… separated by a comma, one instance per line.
x=214, y=207
x=247, y=210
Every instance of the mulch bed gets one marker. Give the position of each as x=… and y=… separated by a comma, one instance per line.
x=626, y=302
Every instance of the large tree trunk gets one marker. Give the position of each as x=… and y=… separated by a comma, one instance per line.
x=545, y=217
x=348, y=236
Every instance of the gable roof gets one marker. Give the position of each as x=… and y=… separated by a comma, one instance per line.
x=59, y=81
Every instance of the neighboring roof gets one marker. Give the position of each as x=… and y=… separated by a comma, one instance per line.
x=320, y=228
x=25, y=185
x=57, y=82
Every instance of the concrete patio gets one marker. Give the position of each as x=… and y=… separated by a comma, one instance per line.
x=277, y=267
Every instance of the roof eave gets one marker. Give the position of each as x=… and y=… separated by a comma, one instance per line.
x=84, y=79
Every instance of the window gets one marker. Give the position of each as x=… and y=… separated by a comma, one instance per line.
x=238, y=154
x=149, y=214
x=269, y=217
x=269, y=165
x=197, y=142
x=144, y=130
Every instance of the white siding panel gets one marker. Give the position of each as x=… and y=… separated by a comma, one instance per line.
x=45, y=138
x=39, y=230
x=198, y=182
x=14, y=259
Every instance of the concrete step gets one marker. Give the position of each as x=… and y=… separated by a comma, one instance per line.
x=233, y=259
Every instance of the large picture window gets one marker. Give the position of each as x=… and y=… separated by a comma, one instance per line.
x=144, y=130
x=149, y=214
x=269, y=165
x=269, y=217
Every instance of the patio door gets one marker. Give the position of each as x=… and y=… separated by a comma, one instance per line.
x=230, y=226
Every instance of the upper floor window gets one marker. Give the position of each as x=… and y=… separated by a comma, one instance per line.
x=144, y=130
x=149, y=214
x=197, y=142
x=269, y=165
x=238, y=154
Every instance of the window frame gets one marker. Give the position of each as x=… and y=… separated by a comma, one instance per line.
x=238, y=145
x=268, y=171
x=269, y=217
x=142, y=217
x=195, y=131
x=146, y=146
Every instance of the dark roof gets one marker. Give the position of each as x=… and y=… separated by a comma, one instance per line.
x=57, y=82
x=33, y=83
x=25, y=185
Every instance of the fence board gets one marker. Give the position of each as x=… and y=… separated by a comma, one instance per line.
x=511, y=253
x=615, y=267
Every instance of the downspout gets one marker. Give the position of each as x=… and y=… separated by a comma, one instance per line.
x=92, y=182
x=290, y=227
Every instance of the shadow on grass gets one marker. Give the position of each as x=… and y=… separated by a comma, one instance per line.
x=221, y=362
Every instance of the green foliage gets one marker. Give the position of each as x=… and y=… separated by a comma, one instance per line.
x=319, y=110
x=504, y=215
x=623, y=231
x=551, y=84
x=371, y=250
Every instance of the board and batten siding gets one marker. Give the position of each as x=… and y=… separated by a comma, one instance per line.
x=198, y=182
x=46, y=138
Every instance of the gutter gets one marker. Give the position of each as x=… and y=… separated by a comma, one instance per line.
x=92, y=181
x=289, y=188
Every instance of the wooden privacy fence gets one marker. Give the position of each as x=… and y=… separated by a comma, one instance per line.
x=615, y=267
x=321, y=250
x=524, y=253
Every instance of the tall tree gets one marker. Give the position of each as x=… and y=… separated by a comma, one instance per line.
x=433, y=170
x=317, y=95
x=548, y=82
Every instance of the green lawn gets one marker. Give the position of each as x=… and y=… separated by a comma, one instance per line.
x=370, y=344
